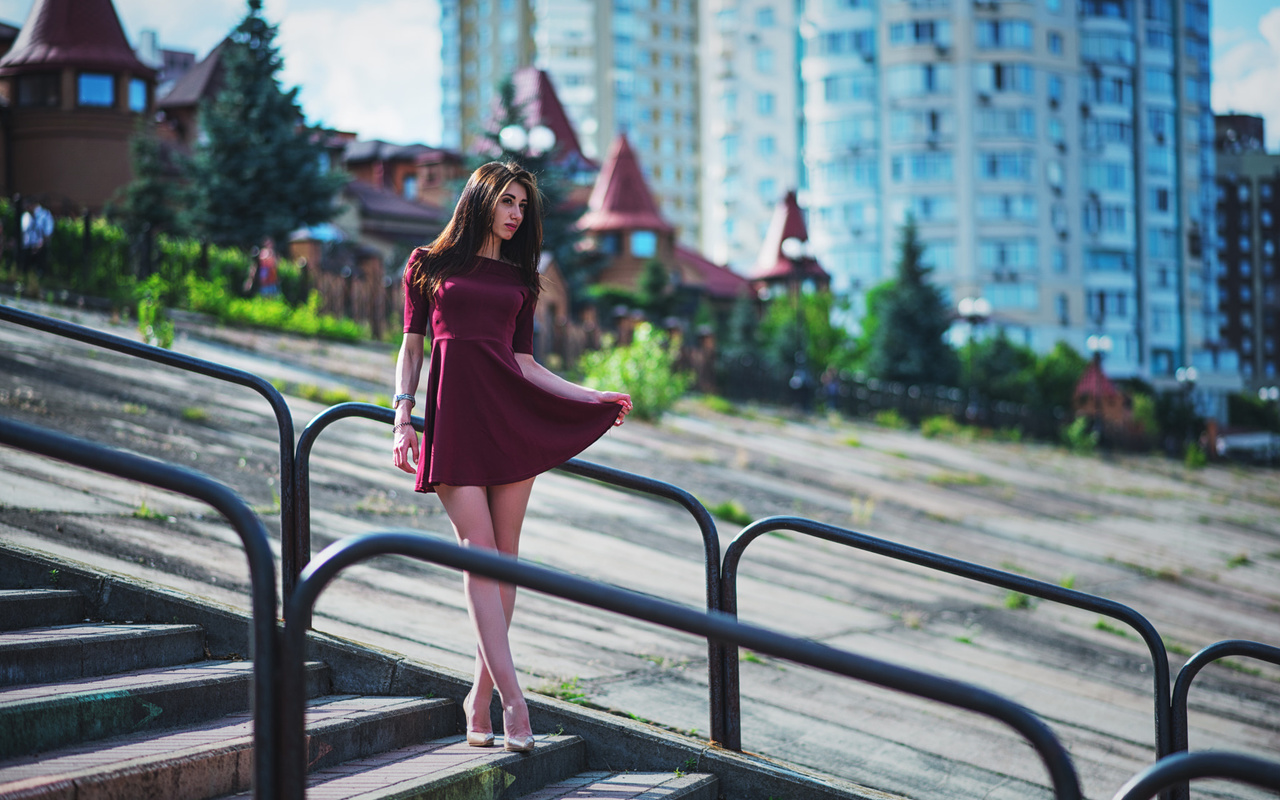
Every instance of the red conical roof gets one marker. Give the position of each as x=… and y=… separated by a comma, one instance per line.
x=1094, y=382
x=73, y=33
x=621, y=198
x=536, y=96
x=787, y=223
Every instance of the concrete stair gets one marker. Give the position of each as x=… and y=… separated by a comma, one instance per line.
x=117, y=710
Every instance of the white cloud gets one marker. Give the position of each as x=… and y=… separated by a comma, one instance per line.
x=1246, y=73
x=369, y=68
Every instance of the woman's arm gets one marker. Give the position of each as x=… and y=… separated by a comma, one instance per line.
x=544, y=378
x=408, y=369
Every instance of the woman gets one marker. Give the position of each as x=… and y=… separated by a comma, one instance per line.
x=495, y=418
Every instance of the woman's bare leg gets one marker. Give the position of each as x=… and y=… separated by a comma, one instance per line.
x=491, y=518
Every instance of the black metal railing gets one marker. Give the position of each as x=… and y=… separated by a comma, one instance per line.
x=713, y=625
x=583, y=469
x=253, y=535
x=159, y=355
x=1182, y=687
x=1182, y=767
x=954, y=566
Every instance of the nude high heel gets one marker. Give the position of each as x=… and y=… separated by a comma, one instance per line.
x=513, y=744
x=476, y=738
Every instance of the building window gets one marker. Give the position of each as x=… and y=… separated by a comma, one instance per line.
x=1003, y=33
x=644, y=244
x=137, y=95
x=411, y=187
x=95, y=90
x=765, y=104
x=764, y=60
x=1005, y=166
x=1004, y=78
x=1055, y=43
x=767, y=147
x=767, y=189
x=40, y=90
x=765, y=17
x=1064, y=318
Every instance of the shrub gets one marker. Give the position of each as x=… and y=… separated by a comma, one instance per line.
x=940, y=425
x=645, y=369
x=153, y=323
x=1080, y=437
x=1195, y=457
x=890, y=418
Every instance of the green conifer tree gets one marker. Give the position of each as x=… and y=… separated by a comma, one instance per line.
x=154, y=201
x=258, y=170
x=908, y=343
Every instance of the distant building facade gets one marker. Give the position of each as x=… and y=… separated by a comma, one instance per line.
x=1248, y=199
x=482, y=42
x=631, y=67
x=750, y=124
x=1055, y=154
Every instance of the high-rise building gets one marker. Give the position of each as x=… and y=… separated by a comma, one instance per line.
x=631, y=66
x=1056, y=155
x=750, y=123
x=1248, y=197
x=482, y=43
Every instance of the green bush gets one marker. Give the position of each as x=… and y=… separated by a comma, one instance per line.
x=890, y=418
x=1195, y=457
x=940, y=425
x=153, y=323
x=1080, y=437
x=645, y=369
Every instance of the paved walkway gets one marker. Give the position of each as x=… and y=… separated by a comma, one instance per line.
x=1197, y=552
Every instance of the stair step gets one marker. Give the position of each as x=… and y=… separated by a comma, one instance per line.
x=630, y=785
x=35, y=608
x=216, y=758
x=65, y=652
x=446, y=769
x=44, y=716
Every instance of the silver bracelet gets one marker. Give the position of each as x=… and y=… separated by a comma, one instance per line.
x=396, y=401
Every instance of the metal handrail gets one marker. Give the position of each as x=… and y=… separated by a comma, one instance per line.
x=954, y=566
x=333, y=559
x=577, y=467
x=1182, y=767
x=284, y=418
x=1182, y=688
x=262, y=575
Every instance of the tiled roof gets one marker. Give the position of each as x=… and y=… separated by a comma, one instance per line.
x=717, y=280
x=787, y=223
x=377, y=150
x=1095, y=383
x=201, y=81
x=73, y=33
x=621, y=199
x=382, y=203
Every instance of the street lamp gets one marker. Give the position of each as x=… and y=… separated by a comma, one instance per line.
x=1271, y=393
x=1186, y=378
x=975, y=311
x=797, y=251
x=535, y=141
x=1099, y=345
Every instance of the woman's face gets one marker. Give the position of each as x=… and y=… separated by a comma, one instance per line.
x=510, y=211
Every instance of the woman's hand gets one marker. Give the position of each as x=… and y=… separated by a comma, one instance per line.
x=622, y=399
x=404, y=450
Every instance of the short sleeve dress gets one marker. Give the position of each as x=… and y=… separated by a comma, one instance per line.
x=485, y=423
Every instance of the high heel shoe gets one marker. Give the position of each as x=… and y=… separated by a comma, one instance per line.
x=480, y=739
x=515, y=744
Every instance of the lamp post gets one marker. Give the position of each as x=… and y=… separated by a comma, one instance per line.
x=1186, y=378
x=1099, y=345
x=534, y=142
x=975, y=311
x=797, y=251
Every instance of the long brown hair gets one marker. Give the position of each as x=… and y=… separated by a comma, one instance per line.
x=454, y=250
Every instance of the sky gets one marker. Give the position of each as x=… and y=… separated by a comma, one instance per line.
x=372, y=67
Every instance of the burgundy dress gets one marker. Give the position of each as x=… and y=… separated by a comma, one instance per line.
x=486, y=424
